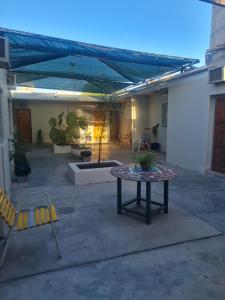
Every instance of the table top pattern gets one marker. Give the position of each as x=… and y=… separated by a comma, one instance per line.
x=159, y=173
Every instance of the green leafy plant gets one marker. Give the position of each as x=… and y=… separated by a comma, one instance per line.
x=58, y=136
x=155, y=132
x=74, y=123
x=146, y=160
x=63, y=132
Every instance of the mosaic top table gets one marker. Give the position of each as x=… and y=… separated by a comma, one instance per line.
x=160, y=173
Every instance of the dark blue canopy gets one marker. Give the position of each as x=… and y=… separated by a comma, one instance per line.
x=47, y=62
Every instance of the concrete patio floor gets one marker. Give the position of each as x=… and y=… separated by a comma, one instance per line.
x=105, y=256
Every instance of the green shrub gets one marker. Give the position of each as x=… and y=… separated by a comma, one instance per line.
x=63, y=133
x=58, y=136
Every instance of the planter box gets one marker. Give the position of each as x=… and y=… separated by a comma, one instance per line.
x=62, y=149
x=86, y=172
x=21, y=178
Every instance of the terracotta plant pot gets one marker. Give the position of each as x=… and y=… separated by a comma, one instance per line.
x=144, y=167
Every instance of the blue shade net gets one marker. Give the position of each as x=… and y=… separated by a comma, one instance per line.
x=52, y=63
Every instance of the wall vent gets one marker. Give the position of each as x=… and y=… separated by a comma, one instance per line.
x=217, y=74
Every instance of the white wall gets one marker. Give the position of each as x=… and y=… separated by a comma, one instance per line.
x=5, y=176
x=5, y=135
x=155, y=117
x=189, y=123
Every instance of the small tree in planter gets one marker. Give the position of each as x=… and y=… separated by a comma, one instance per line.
x=91, y=172
x=108, y=111
x=155, y=146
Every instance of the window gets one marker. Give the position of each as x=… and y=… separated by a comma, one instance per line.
x=164, y=114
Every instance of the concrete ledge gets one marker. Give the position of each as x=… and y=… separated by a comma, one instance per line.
x=62, y=149
x=94, y=175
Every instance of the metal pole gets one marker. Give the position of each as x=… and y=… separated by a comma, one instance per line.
x=148, y=203
x=119, y=196
x=166, y=196
x=138, y=192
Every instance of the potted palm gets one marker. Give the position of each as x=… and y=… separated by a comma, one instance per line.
x=57, y=134
x=64, y=131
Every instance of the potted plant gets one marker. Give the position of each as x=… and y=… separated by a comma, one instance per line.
x=81, y=151
x=155, y=146
x=63, y=132
x=39, y=137
x=57, y=134
x=146, y=160
x=21, y=166
x=86, y=154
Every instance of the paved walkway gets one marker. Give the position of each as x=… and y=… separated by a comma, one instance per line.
x=179, y=256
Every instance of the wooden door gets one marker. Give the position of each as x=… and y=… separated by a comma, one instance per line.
x=23, y=120
x=218, y=161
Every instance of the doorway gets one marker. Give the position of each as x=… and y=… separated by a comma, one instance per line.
x=218, y=160
x=23, y=123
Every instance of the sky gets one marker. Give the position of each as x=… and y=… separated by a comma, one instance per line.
x=173, y=27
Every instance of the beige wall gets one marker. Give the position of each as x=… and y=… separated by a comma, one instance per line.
x=41, y=112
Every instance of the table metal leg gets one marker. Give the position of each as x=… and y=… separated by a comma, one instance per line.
x=166, y=196
x=119, y=196
x=138, y=192
x=148, y=203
